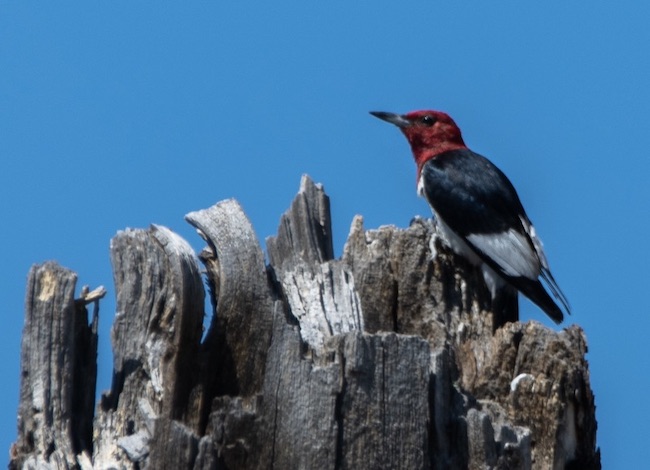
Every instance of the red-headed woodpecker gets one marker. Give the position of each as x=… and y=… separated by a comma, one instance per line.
x=477, y=210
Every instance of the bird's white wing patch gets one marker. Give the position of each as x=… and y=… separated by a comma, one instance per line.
x=510, y=250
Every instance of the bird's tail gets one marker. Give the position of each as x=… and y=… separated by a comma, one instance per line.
x=555, y=289
x=534, y=290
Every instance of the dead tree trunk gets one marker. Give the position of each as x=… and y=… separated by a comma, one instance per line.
x=384, y=358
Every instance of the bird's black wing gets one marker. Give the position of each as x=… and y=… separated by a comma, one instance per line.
x=479, y=203
x=471, y=193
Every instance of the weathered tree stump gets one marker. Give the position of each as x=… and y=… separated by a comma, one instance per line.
x=384, y=358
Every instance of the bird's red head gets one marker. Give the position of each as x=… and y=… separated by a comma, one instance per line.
x=429, y=133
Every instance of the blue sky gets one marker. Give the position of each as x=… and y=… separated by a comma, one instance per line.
x=115, y=115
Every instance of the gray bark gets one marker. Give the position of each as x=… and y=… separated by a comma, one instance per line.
x=389, y=357
x=58, y=371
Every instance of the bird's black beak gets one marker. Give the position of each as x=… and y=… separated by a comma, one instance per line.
x=398, y=120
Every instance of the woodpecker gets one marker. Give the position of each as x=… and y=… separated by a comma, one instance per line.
x=477, y=210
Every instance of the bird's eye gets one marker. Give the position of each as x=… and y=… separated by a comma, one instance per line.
x=428, y=120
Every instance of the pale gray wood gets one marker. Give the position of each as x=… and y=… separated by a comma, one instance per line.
x=305, y=230
x=320, y=293
x=58, y=372
x=385, y=388
x=155, y=336
x=237, y=341
x=389, y=357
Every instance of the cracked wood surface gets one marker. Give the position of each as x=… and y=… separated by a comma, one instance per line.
x=384, y=358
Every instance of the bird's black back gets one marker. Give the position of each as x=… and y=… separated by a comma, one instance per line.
x=471, y=194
